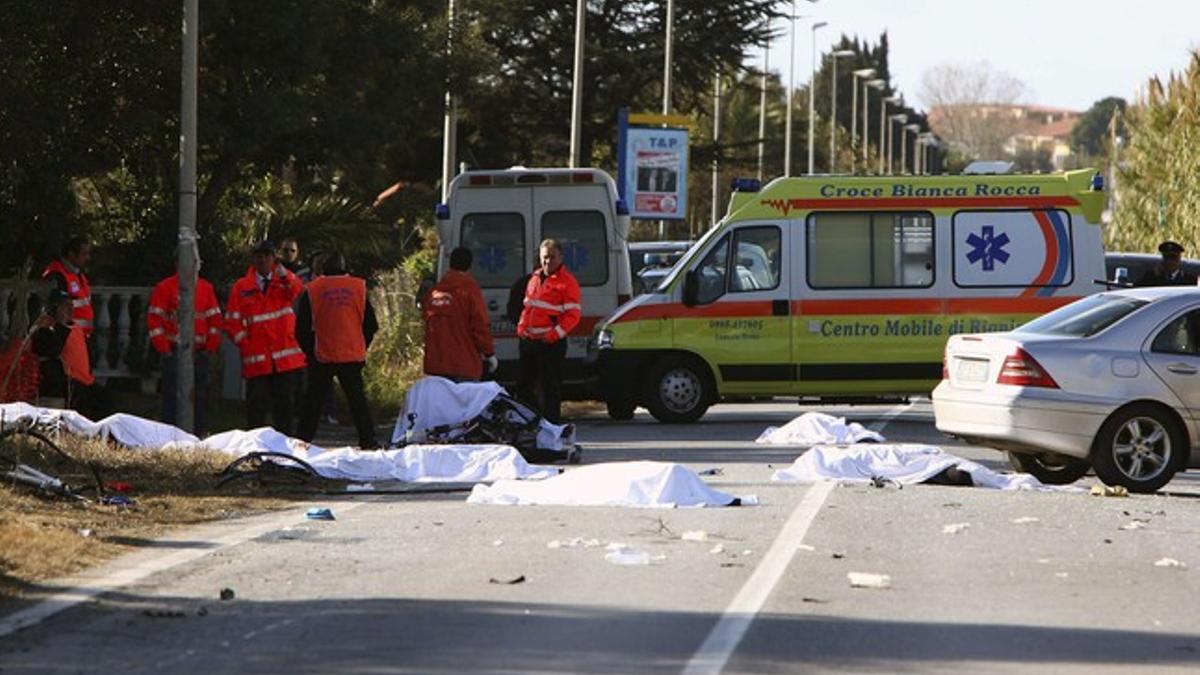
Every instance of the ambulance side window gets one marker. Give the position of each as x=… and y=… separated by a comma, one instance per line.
x=757, y=264
x=711, y=273
x=870, y=250
x=585, y=249
x=497, y=241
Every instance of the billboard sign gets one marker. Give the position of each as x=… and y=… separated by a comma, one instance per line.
x=653, y=171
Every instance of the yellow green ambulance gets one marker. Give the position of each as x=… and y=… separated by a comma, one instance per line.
x=845, y=287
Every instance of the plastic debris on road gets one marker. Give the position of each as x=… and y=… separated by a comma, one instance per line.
x=574, y=542
x=694, y=535
x=1026, y=519
x=1134, y=525
x=868, y=580
x=1109, y=491
x=227, y=594
x=1170, y=562
x=719, y=548
x=318, y=513
x=508, y=582
x=955, y=528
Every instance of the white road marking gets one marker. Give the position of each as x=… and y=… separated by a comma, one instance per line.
x=724, y=638
x=84, y=588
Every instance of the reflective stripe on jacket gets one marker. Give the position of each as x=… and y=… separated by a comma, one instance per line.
x=160, y=316
x=263, y=325
x=552, y=306
x=338, y=306
x=78, y=290
x=75, y=356
x=457, y=333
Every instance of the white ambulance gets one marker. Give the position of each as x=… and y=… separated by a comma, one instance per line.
x=503, y=215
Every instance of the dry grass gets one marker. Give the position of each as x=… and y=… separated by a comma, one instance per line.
x=42, y=537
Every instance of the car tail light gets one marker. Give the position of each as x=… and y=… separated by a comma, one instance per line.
x=1022, y=370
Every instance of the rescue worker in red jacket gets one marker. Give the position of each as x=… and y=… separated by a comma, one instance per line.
x=335, y=324
x=65, y=370
x=552, y=308
x=67, y=275
x=458, y=337
x=260, y=321
x=163, y=329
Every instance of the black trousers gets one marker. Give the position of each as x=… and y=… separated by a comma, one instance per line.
x=271, y=393
x=540, y=382
x=320, y=388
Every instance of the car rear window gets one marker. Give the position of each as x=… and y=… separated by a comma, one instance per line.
x=1085, y=317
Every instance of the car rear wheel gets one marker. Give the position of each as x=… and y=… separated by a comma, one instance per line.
x=679, y=390
x=1140, y=448
x=1050, y=468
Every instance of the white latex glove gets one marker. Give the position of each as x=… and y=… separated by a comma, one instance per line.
x=492, y=363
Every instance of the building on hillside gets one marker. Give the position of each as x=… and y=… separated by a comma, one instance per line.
x=1013, y=130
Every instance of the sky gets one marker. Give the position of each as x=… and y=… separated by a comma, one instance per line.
x=1069, y=53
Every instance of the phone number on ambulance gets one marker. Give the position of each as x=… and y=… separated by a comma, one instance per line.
x=736, y=324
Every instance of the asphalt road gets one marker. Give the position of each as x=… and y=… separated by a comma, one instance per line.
x=1042, y=581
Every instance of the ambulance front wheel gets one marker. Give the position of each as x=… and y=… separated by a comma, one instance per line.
x=679, y=390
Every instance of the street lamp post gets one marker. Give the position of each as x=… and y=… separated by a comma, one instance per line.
x=787, y=128
x=901, y=118
x=762, y=111
x=870, y=84
x=884, y=150
x=904, y=145
x=861, y=72
x=839, y=54
x=577, y=83
x=812, y=88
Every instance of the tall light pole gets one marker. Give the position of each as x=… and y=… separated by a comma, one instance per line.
x=861, y=72
x=812, y=88
x=186, y=265
x=904, y=145
x=839, y=54
x=883, y=125
x=716, y=164
x=577, y=83
x=450, y=123
x=762, y=112
x=901, y=118
x=869, y=84
x=667, y=48
x=787, y=127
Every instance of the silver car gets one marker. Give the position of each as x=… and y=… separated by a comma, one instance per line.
x=1110, y=382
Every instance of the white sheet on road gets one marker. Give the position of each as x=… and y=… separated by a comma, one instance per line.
x=435, y=401
x=418, y=463
x=644, y=484
x=813, y=428
x=903, y=463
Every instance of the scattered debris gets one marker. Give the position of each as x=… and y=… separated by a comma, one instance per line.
x=1108, y=541
x=116, y=500
x=574, y=542
x=1170, y=562
x=119, y=486
x=719, y=548
x=1026, y=519
x=1135, y=524
x=837, y=556
x=747, y=552
x=805, y=547
x=882, y=482
x=508, y=582
x=816, y=601
x=620, y=554
x=694, y=535
x=952, y=505
x=1061, y=575
x=1109, y=491
x=714, y=471
x=954, y=528
x=868, y=580
x=319, y=513
x=360, y=487
x=732, y=564
x=498, y=542
x=86, y=532
x=1043, y=561
x=227, y=594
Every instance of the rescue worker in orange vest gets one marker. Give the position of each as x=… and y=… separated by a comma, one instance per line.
x=260, y=321
x=67, y=275
x=458, y=337
x=164, y=336
x=65, y=370
x=551, y=312
x=335, y=324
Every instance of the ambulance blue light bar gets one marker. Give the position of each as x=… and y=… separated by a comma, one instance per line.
x=745, y=185
x=622, y=207
x=442, y=212
x=1098, y=183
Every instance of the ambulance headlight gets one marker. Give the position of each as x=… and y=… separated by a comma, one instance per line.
x=604, y=339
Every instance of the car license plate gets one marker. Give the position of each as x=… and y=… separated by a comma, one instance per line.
x=972, y=370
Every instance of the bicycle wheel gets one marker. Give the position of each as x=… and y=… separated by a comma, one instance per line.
x=23, y=447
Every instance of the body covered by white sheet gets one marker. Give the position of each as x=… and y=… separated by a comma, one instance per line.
x=903, y=463
x=425, y=463
x=644, y=484
x=813, y=428
x=435, y=401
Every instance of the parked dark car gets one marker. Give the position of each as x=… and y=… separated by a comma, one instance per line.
x=1137, y=264
x=651, y=261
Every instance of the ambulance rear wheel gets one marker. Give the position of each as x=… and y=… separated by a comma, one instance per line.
x=679, y=390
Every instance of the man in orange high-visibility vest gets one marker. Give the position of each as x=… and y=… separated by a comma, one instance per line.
x=164, y=335
x=68, y=276
x=552, y=310
x=335, y=324
x=260, y=321
x=458, y=337
x=65, y=368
